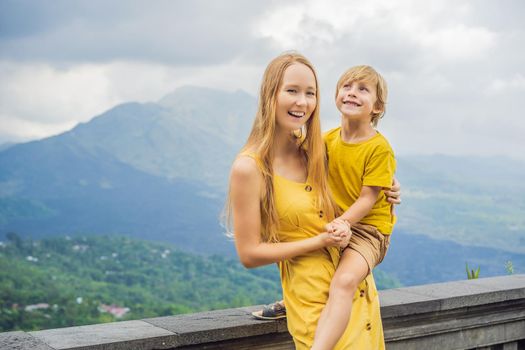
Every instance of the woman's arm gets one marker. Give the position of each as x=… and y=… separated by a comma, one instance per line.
x=393, y=194
x=245, y=191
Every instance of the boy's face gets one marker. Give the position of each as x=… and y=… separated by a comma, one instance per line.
x=357, y=99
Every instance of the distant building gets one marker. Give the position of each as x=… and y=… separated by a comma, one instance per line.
x=80, y=248
x=116, y=311
x=40, y=306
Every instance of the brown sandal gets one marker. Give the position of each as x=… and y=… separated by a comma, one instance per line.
x=273, y=311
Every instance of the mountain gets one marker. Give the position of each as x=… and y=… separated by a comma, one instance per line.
x=473, y=201
x=154, y=170
x=418, y=259
x=159, y=171
x=192, y=133
x=6, y=145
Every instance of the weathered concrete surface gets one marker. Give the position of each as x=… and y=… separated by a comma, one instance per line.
x=274, y=341
x=468, y=338
x=456, y=315
x=450, y=295
x=213, y=326
x=127, y=335
x=21, y=341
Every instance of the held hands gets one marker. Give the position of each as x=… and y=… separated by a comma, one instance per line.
x=341, y=229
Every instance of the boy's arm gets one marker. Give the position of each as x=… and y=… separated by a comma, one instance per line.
x=362, y=205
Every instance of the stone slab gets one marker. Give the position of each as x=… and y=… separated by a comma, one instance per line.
x=432, y=324
x=469, y=338
x=129, y=335
x=21, y=341
x=466, y=293
x=218, y=325
x=399, y=302
x=513, y=285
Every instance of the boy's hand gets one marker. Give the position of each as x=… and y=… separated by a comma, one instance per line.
x=393, y=194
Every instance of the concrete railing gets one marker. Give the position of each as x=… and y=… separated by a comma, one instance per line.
x=487, y=313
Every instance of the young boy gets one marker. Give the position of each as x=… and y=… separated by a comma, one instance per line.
x=360, y=164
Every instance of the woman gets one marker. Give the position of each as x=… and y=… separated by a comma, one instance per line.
x=280, y=204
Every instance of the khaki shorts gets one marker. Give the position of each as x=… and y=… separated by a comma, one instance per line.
x=370, y=243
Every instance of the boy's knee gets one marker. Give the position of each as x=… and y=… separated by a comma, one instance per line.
x=345, y=282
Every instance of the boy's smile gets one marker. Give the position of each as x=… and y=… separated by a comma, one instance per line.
x=351, y=103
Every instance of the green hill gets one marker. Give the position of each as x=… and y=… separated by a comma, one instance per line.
x=151, y=279
x=64, y=281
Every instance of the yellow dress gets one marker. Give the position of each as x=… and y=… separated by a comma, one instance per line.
x=306, y=279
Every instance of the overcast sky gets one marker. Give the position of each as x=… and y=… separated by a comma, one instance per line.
x=455, y=69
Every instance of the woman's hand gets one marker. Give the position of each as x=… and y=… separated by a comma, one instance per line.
x=393, y=194
x=329, y=239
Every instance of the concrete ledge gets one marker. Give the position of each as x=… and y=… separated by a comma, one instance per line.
x=115, y=336
x=454, y=315
x=21, y=341
x=451, y=295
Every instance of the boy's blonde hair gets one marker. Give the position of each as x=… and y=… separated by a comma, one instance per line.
x=370, y=75
x=260, y=143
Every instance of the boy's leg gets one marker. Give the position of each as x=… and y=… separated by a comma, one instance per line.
x=352, y=269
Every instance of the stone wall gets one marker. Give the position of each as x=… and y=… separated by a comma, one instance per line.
x=487, y=313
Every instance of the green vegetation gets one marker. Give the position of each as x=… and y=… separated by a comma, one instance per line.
x=471, y=274
x=60, y=282
x=509, y=267
x=75, y=276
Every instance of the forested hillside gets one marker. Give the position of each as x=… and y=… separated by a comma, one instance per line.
x=64, y=281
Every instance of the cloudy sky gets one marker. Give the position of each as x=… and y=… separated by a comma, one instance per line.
x=456, y=69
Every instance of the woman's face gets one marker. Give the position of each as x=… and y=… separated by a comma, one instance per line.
x=296, y=98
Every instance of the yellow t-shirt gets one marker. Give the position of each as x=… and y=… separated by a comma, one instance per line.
x=354, y=165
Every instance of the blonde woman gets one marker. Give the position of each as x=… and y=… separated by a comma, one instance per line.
x=279, y=204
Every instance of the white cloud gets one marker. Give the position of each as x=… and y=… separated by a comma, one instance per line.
x=517, y=82
x=38, y=100
x=442, y=61
x=312, y=21
x=41, y=93
x=18, y=130
x=458, y=42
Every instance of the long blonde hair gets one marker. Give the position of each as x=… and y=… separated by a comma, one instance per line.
x=260, y=144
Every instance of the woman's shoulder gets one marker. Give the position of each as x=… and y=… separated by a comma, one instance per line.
x=245, y=164
x=245, y=168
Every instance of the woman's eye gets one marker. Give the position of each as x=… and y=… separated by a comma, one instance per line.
x=291, y=91
x=311, y=93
